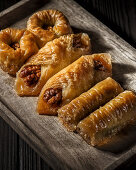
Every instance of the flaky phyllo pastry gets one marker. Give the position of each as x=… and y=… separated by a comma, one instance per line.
x=47, y=25
x=72, y=81
x=107, y=121
x=16, y=45
x=80, y=107
x=50, y=59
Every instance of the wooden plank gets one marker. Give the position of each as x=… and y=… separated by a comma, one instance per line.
x=62, y=149
x=29, y=159
x=18, y=11
x=116, y=14
x=8, y=147
x=15, y=153
x=5, y=4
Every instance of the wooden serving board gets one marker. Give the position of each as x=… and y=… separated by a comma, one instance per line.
x=59, y=148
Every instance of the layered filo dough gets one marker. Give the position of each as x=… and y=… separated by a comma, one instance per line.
x=80, y=107
x=47, y=25
x=72, y=81
x=16, y=46
x=101, y=125
x=50, y=59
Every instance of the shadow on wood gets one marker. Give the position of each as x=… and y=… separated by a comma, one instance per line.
x=121, y=142
x=8, y=16
x=120, y=70
x=98, y=43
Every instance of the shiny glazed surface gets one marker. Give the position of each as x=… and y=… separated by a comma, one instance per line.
x=82, y=106
x=52, y=58
x=108, y=120
x=74, y=80
x=48, y=25
x=16, y=46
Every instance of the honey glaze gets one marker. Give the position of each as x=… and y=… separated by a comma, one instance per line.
x=89, y=101
x=100, y=63
x=108, y=120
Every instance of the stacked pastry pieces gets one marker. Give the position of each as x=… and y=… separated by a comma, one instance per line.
x=100, y=113
x=17, y=45
x=50, y=59
x=52, y=62
x=107, y=121
x=72, y=81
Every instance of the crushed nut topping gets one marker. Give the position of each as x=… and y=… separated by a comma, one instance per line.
x=53, y=96
x=15, y=45
x=31, y=74
x=77, y=42
x=98, y=65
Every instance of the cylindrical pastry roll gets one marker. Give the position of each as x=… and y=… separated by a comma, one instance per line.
x=50, y=59
x=48, y=25
x=16, y=45
x=80, y=107
x=72, y=81
x=108, y=120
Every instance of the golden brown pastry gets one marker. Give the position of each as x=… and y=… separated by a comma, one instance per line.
x=16, y=45
x=108, y=120
x=48, y=25
x=80, y=107
x=72, y=81
x=50, y=59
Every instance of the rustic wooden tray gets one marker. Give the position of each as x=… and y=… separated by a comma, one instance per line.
x=59, y=148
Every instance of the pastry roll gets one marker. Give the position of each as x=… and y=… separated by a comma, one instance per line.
x=107, y=121
x=50, y=59
x=16, y=45
x=72, y=81
x=48, y=25
x=80, y=107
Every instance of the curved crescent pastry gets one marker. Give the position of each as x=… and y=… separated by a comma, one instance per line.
x=16, y=46
x=48, y=25
x=72, y=81
x=80, y=107
x=108, y=120
x=50, y=59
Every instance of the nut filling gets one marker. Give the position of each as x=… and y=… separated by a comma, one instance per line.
x=98, y=65
x=77, y=42
x=53, y=96
x=15, y=45
x=31, y=74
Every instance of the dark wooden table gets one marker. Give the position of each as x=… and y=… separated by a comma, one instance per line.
x=15, y=154
x=118, y=15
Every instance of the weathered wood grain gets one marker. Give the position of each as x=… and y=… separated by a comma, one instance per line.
x=28, y=159
x=23, y=8
x=8, y=147
x=119, y=15
x=7, y=3
x=15, y=154
x=62, y=149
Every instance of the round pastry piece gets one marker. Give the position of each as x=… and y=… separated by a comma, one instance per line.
x=16, y=45
x=48, y=25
